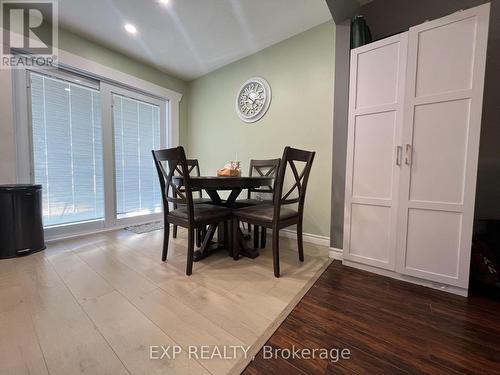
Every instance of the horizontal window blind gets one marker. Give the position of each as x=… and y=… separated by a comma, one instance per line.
x=136, y=132
x=67, y=149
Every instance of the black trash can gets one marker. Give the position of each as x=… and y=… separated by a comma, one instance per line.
x=21, y=227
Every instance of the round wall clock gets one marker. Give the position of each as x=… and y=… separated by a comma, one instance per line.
x=253, y=99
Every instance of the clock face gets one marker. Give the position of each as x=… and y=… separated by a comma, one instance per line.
x=253, y=99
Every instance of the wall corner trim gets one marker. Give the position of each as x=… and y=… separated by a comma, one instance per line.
x=337, y=254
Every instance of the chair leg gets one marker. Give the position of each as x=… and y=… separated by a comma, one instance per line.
x=227, y=242
x=276, y=252
x=256, y=236
x=198, y=237
x=235, y=237
x=190, y=252
x=263, y=236
x=166, y=235
x=299, y=241
x=174, y=232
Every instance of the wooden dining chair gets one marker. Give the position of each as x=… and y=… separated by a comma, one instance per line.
x=187, y=215
x=276, y=216
x=264, y=168
x=193, y=170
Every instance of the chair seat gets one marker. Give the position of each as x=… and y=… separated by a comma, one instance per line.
x=202, y=200
x=242, y=203
x=197, y=201
x=263, y=213
x=252, y=202
x=203, y=213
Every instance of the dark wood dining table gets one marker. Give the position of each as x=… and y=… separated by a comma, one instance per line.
x=212, y=185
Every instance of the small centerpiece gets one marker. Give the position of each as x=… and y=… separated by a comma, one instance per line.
x=232, y=169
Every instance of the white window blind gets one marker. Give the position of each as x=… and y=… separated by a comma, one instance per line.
x=67, y=149
x=136, y=132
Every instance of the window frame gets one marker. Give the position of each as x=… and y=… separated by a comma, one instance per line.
x=111, y=81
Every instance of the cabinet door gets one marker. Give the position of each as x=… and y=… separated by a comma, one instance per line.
x=373, y=156
x=443, y=100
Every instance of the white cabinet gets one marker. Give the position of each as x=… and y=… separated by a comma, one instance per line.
x=373, y=152
x=414, y=122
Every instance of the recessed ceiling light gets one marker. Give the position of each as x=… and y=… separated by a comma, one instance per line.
x=164, y=2
x=131, y=28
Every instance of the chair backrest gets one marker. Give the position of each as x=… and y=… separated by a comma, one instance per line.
x=168, y=162
x=290, y=156
x=193, y=170
x=264, y=168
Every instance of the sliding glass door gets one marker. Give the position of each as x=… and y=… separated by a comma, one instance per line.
x=136, y=129
x=67, y=149
x=91, y=148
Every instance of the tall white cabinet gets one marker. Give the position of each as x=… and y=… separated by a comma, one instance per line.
x=413, y=141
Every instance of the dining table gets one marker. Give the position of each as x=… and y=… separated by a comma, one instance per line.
x=212, y=185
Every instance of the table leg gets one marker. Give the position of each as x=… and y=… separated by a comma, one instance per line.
x=245, y=250
x=207, y=247
x=214, y=196
x=222, y=234
x=232, y=197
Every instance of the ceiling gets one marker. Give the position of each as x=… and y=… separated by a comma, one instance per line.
x=343, y=10
x=189, y=38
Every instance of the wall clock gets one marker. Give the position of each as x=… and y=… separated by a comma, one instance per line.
x=253, y=99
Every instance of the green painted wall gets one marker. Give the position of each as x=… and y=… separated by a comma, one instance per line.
x=80, y=46
x=300, y=71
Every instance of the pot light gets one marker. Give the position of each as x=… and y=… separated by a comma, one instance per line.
x=164, y=2
x=131, y=28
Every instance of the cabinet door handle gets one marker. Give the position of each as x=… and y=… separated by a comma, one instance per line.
x=399, y=155
x=408, y=156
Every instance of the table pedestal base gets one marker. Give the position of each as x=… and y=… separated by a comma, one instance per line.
x=209, y=250
x=209, y=247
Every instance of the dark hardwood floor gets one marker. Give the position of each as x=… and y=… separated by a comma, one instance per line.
x=389, y=326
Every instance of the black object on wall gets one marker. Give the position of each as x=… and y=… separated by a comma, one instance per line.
x=21, y=228
x=360, y=32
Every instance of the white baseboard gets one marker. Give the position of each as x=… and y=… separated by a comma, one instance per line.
x=414, y=280
x=287, y=233
x=83, y=233
x=337, y=254
x=314, y=239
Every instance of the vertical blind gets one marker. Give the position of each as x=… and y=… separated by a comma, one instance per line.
x=67, y=149
x=136, y=132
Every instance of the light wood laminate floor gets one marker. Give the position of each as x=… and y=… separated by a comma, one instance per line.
x=96, y=304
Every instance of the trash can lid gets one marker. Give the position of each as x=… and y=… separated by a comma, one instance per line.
x=11, y=187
